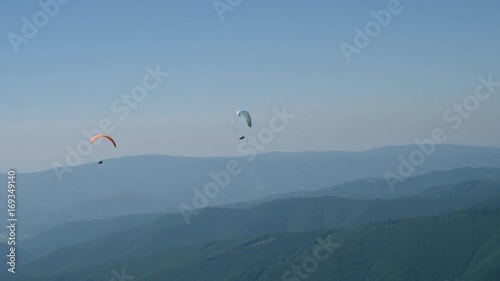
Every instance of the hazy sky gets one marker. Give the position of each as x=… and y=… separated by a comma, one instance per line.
x=263, y=55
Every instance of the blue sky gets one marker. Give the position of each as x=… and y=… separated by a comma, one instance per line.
x=264, y=54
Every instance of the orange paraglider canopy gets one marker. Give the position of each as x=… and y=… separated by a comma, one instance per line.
x=96, y=137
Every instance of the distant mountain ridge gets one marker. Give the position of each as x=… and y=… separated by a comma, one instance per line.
x=461, y=246
x=280, y=216
x=163, y=182
x=373, y=188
